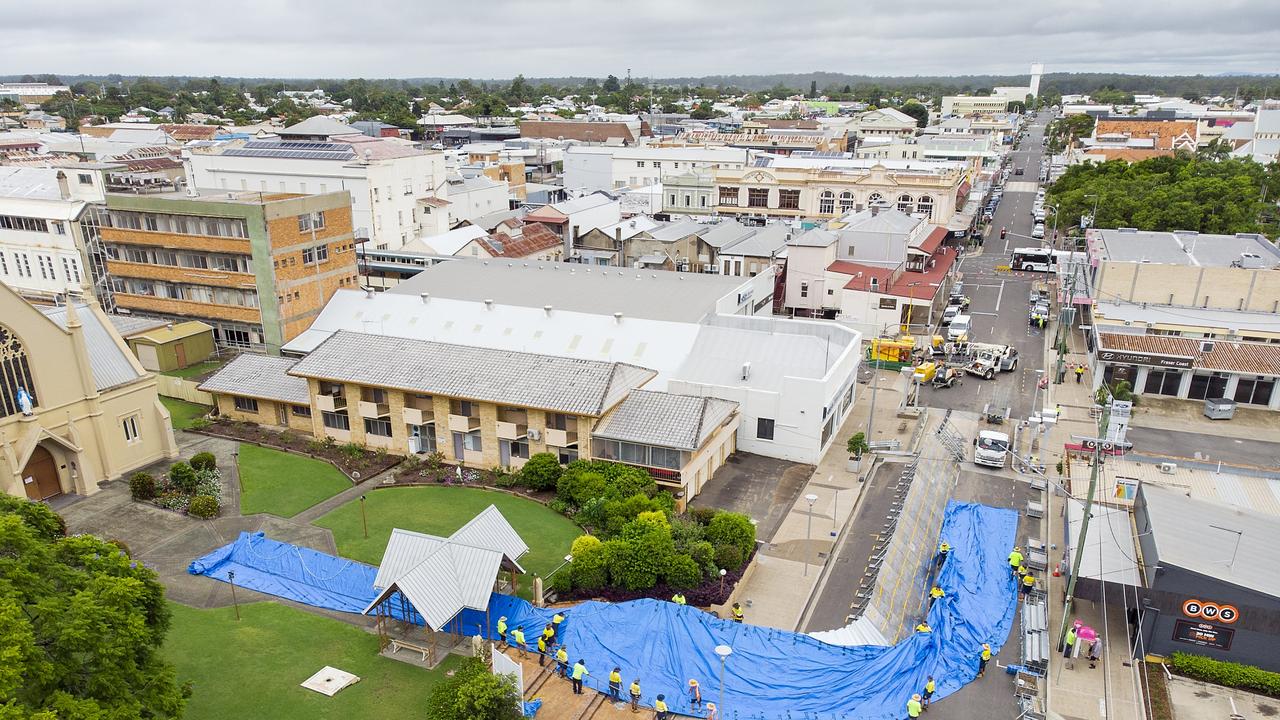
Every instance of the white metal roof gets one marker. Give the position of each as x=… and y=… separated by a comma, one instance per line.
x=683, y=422
x=441, y=577
x=1109, y=552
x=447, y=243
x=776, y=351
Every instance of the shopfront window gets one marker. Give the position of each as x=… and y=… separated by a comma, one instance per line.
x=1162, y=382
x=1255, y=391
x=1207, y=386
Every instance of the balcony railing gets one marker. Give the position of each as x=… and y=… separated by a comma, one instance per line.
x=562, y=438
x=512, y=431
x=374, y=409
x=418, y=416
x=331, y=403
x=463, y=423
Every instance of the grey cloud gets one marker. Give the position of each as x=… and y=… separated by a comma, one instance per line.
x=500, y=38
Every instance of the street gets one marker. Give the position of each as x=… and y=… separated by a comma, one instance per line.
x=999, y=299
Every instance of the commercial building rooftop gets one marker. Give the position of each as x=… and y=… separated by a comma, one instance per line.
x=650, y=294
x=1183, y=248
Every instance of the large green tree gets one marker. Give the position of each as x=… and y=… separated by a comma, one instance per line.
x=474, y=693
x=81, y=626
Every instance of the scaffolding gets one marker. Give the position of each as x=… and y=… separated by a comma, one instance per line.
x=96, y=255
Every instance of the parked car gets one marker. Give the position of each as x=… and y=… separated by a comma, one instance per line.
x=1018, y=171
x=949, y=314
x=1038, y=231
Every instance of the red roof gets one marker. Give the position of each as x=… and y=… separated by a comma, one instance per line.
x=534, y=238
x=933, y=241
x=915, y=285
x=963, y=192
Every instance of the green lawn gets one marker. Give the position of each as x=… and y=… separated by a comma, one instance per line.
x=196, y=370
x=442, y=510
x=253, y=668
x=284, y=484
x=182, y=413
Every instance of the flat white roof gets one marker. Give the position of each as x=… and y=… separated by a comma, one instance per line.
x=649, y=294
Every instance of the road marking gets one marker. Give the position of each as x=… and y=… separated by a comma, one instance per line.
x=999, y=296
x=984, y=313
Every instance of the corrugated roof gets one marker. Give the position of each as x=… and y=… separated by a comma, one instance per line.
x=111, y=366
x=670, y=232
x=179, y=331
x=129, y=325
x=726, y=233
x=318, y=125
x=817, y=237
x=1233, y=545
x=765, y=242
x=1227, y=355
x=441, y=577
x=259, y=376
x=580, y=387
x=683, y=422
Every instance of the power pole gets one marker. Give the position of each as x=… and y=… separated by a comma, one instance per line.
x=1065, y=312
x=1098, y=445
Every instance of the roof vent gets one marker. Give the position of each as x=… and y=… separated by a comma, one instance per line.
x=488, y=303
x=547, y=309
x=426, y=298
x=617, y=317
x=368, y=293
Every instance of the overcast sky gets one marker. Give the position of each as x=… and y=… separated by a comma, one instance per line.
x=658, y=38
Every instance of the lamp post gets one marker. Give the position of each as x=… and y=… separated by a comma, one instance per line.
x=724, y=651
x=231, y=578
x=723, y=572
x=1054, y=208
x=567, y=559
x=364, y=520
x=808, y=533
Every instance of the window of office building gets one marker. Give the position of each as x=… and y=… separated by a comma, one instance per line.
x=827, y=202
x=906, y=203
x=789, y=199
x=846, y=202
x=729, y=196
x=757, y=197
x=13, y=222
x=1162, y=382
x=1255, y=391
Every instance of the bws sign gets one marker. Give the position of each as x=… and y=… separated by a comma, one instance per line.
x=1213, y=612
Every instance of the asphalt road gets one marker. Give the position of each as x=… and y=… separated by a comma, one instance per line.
x=999, y=299
x=1153, y=442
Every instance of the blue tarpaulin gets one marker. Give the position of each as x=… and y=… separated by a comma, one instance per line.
x=771, y=673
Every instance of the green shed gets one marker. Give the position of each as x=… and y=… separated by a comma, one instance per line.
x=172, y=346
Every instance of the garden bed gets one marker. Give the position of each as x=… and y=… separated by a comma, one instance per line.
x=194, y=489
x=354, y=461
x=707, y=594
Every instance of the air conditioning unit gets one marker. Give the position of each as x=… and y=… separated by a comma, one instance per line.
x=535, y=434
x=1206, y=346
x=1168, y=468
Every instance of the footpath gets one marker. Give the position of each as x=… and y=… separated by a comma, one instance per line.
x=787, y=569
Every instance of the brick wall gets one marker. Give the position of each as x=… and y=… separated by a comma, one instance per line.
x=304, y=289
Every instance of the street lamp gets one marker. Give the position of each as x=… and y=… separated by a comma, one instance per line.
x=723, y=572
x=1054, y=208
x=567, y=559
x=231, y=578
x=724, y=651
x=808, y=533
x=364, y=520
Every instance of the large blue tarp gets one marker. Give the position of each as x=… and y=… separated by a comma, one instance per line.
x=771, y=673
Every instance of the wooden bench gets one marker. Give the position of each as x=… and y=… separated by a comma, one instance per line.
x=425, y=650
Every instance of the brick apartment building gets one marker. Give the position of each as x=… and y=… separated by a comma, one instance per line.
x=258, y=267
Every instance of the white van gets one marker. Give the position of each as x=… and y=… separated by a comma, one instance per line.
x=959, y=328
x=991, y=449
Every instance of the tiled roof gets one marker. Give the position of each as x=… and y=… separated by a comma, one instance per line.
x=932, y=241
x=1227, y=356
x=184, y=132
x=434, y=202
x=259, y=376
x=561, y=384
x=683, y=422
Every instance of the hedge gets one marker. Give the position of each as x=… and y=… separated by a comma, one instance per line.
x=1227, y=674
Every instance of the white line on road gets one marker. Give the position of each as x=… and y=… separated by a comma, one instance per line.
x=1000, y=295
x=984, y=313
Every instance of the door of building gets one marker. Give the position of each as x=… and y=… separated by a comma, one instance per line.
x=181, y=352
x=457, y=446
x=40, y=476
x=504, y=453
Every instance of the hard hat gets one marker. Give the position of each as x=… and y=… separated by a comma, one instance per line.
x=986, y=646
x=1017, y=548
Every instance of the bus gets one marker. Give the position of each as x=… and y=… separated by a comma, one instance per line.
x=1042, y=259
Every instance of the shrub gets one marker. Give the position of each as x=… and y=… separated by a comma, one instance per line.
x=701, y=515
x=735, y=529
x=590, y=566
x=204, y=461
x=641, y=554
x=352, y=452
x=142, y=486
x=728, y=557
x=1228, y=674
x=203, y=506
x=580, y=488
x=683, y=573
x=46, y=523
x=562, y=582
x=560, y=506
x=541, y=472
x=199, y=423
x=857, y=444
x=704, y=553
x=120, y=544
x=315, y=447
x=685, y=533
x=183, y=477
x=584, y=543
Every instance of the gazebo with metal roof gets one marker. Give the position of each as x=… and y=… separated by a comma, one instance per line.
x=427, y=581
